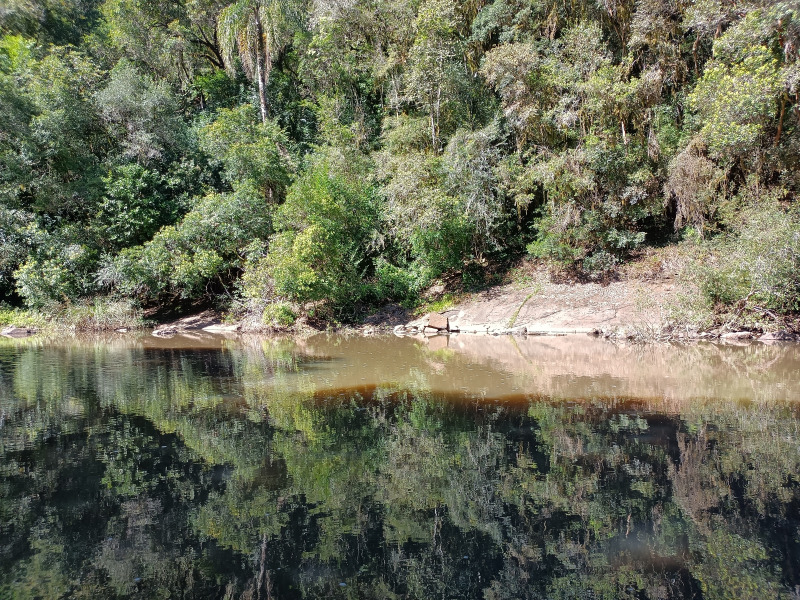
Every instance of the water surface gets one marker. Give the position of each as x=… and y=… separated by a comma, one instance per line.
x=335, y=467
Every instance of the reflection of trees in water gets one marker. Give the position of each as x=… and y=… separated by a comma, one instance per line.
x=195, y=476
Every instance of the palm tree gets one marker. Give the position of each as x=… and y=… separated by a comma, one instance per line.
x=254, y=30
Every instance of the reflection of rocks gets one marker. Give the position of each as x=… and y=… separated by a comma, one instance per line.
x=438, y=342
x=577, y=366
x=436, y=323
x=18, y=332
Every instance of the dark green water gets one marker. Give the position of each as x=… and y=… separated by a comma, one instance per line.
x=388, y=468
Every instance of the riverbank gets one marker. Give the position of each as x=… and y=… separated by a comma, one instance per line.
x=649, y=300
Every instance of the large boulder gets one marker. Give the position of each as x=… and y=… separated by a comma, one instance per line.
x=439, y=322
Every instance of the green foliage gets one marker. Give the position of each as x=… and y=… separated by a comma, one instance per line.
x=451, y=135
x=99, y=314
x=50, y=128
x=142, y=114
x=252, y=153
x=393, y=282
x=209, y=242
x=218, y=90
x=133, y=207
x=737, y=101
x=21, y=318
x=324, y=227
x=57, y=273
x=758, y=262
x=278, y=314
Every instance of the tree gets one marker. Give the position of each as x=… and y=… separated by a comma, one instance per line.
x=255, y=31
x=434, y=69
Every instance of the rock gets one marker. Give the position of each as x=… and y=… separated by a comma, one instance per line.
x=437, y=321
x=122, y=330
x=737, y=335
x=522, y=330
x=778, y=336
x=430, y=330
x=165, y=332
x=18, y=332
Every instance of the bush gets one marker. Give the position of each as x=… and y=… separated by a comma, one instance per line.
x=209, y=242
x=56, y=274
x=393, y=283
x=758, y=262
x=321, y=249
x=279, y=314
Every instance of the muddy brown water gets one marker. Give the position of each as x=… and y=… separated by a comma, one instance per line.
x=202, y=466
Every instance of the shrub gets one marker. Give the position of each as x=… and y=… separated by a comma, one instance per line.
x=278, y=314
x=209, y=242
x=758, y=262
x=321, y=248
x=56, y=274
x=393, y=282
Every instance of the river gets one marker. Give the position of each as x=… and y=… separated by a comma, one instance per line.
x=351, y=467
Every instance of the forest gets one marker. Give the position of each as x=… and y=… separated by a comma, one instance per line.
x=274, y=156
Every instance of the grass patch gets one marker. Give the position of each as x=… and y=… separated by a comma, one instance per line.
x=99, y=314
x=446, y=302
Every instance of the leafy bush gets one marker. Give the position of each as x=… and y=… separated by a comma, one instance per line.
x=55, y=274
x=324, y=228
x=279, y=314
x=758, y=263
x=208, y=243
x=133, y=207
x=393, y=282
x=252, y=153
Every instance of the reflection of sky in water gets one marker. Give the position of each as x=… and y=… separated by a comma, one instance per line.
x=383, y=468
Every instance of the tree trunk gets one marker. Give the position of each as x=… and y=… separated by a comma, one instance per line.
x=261, y=66
x=780, y=120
